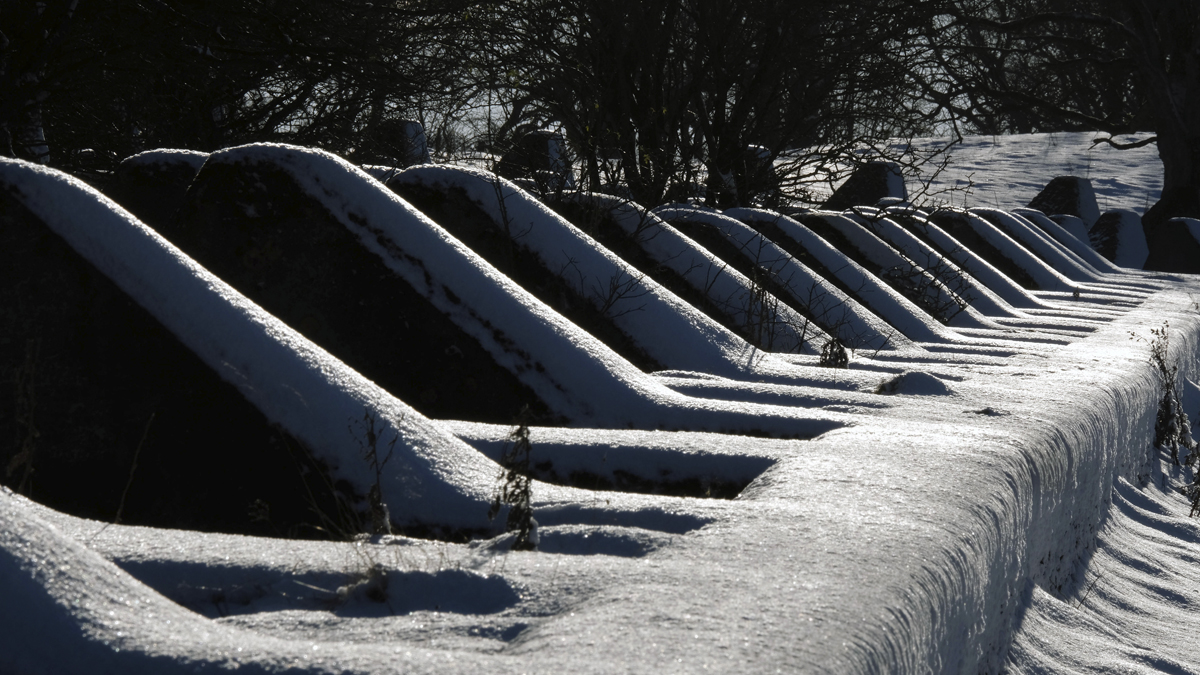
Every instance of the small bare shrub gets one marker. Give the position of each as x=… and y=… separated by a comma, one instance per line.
x=1172, y=428
x=833, y=354
x=377, y=457
x=516, y=488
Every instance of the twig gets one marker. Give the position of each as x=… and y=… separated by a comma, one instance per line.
x=133, y=468
x=1088, y=591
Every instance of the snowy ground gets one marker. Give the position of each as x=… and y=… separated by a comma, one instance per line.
x=970, y=510
x=1006, y=172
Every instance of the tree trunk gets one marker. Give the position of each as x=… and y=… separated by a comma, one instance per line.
x=1170, y=67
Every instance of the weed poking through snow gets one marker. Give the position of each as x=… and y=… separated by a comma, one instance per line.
x=516, y=487
x=1172, y=428
x=833, y=354
x=369, y=442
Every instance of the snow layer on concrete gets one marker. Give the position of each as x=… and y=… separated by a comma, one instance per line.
x=191, y=158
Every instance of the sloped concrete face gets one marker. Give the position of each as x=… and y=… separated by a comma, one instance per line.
x=152, y=184
x=114, y=417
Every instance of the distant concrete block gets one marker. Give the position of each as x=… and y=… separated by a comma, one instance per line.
x=1070, y=195
x=870, y=183
x=1175, y=246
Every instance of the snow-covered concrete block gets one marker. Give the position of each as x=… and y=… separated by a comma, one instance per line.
x=251, y=221
x=151, y=184
x=684, y=267
x=112, y=415
x=795, y=283
x=349, y=261
x=254, y=365
x=568, y=269
x=1118, y=236
x=869, y=183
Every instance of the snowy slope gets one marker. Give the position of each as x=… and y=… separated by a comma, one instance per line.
x=1007, y=172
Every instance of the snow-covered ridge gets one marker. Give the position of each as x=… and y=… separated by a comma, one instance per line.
x=911, y=540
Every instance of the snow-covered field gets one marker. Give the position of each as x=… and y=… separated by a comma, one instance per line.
x=1005, y=172
x=984, y=500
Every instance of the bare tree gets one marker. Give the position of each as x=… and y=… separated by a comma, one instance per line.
x=116, y=78
x=706, y=98
x=1112, y=66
